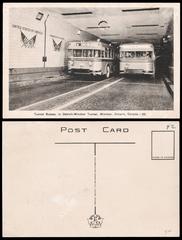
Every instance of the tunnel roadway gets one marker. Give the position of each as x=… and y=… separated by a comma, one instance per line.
x=87, y=93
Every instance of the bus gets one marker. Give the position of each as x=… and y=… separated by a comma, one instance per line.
x=90, y=57
x=137, y=58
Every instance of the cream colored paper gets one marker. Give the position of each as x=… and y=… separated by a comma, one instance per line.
x=48, y=188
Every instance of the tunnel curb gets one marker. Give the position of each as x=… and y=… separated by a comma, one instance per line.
x=169, y=85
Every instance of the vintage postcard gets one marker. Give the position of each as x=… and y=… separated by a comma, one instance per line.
x=91, y=60
x=100, y=179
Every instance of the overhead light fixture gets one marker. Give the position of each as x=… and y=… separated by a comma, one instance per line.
x=103, y=27
x=39, y=16
x=143, y=34
x=110, y=34
x=147, y=39
x=146, y=25
x=140, y=9
x=102, y=22
x=76, y=13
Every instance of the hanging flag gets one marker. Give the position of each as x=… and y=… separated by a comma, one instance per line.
x=57, y=47
x=28, y=43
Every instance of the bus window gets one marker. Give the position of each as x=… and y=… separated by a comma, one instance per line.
x=139, y=54
x=121, y=54
x=90, y=53
x=110, y=53
x=129, y=54
x=144, y=54
x=85, y=53
x=106, y=53
x=77, y=53
x=149, y=54
x=102, y=54
x=96, y=53
x=70, y=53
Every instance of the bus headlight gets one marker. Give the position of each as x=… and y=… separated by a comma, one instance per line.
x=70, y=63
x=90, y=63
x=97, y=66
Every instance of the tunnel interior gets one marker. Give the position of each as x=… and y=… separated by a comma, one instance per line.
x=129, y=25
x=45, y=50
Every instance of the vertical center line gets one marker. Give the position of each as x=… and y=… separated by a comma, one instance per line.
x=94, y=149
x=94, y=178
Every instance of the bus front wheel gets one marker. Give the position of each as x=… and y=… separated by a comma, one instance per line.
x=107, y=72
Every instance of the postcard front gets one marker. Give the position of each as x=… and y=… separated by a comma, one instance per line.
x=91, y=60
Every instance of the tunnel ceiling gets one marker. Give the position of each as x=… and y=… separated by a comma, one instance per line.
x=120, y=24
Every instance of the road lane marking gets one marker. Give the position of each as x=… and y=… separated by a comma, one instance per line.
x=60, y=95
x=86, y=95
x=142, y=84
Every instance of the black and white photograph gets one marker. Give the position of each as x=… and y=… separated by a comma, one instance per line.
x=91, y=60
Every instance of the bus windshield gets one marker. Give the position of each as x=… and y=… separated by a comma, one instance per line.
x=84, y=53
x=136, y=54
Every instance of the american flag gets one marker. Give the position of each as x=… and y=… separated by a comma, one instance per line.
x=57, y=47
x=28, y=43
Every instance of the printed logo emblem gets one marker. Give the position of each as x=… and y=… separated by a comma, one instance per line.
x=95, y=221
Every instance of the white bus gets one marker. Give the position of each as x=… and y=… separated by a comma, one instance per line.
x=137, y=58
x=90, y=57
